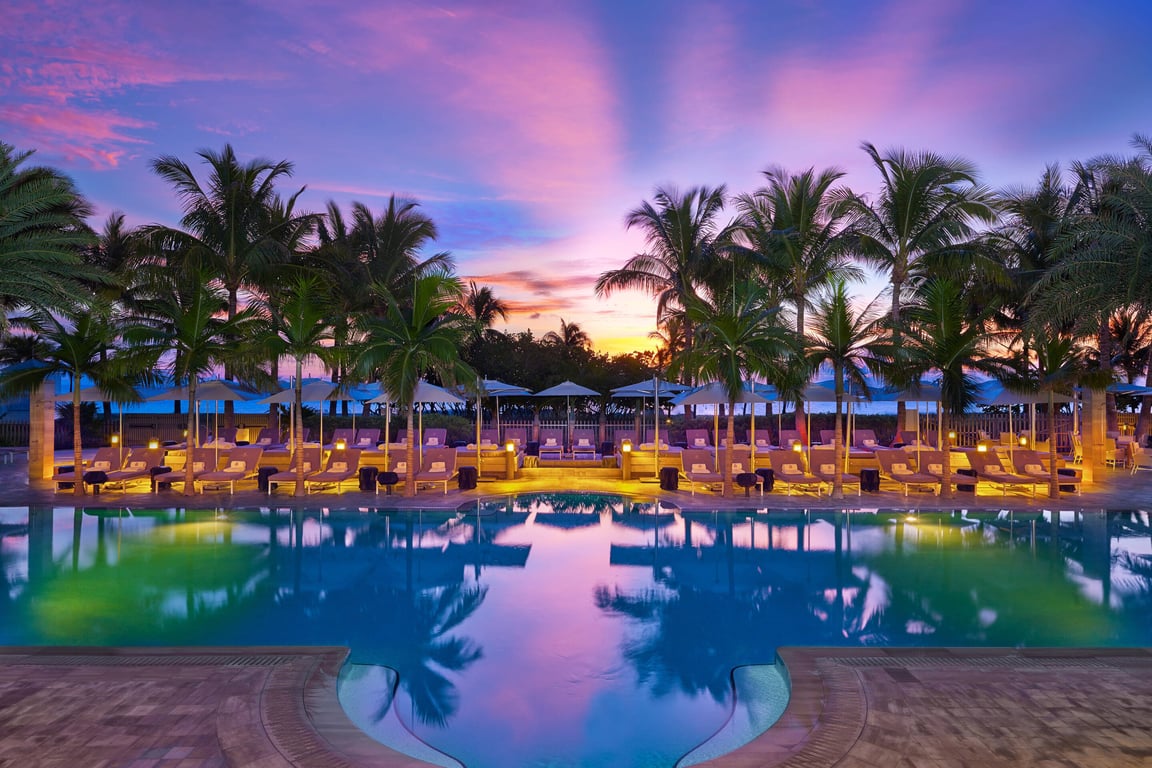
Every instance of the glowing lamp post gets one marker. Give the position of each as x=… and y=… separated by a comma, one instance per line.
x=509, y=459
x=626, y=460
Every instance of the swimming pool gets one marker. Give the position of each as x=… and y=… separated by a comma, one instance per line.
x=561, y=629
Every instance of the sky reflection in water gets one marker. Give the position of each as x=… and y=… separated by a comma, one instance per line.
x=569, y=629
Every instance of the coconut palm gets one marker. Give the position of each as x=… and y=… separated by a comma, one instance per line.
x=571, y=338
x=844, y=338
x=75, y=346
x=42, y=232
x=180, y=326
x=416, y=335
x=391, y=244
x=685, y=241
x=939, y=335
x=737, y=337
x=297, y=328
x=481, y=307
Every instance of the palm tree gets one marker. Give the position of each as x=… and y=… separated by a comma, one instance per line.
x=738, y=336
x=571, y=338
x=297, y=329
x=939, y=335
x=481, y=307
x=42, y=233
x=794, y=231
x=391, y=244
x=180, y=326
x=685, y=242
x=235, y=226
x=845, y=339
x=75, y=346
x=412, y=338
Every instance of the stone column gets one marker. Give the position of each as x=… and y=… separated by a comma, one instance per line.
x=1092, y=428
x=41, y=436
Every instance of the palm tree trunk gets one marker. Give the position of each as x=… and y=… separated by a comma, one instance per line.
x=838, y=441
x=1053, y=472
x=190, y=442
x=298, y=429
x=729, y=450
x=410, y=455
x=77, y=440
x=946, y=441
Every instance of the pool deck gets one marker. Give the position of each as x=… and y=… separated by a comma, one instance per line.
x=854, y=708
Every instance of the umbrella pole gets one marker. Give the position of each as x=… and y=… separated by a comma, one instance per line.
x=656, y=419
x=420, y=434
x=752, y=438
x=497, y=418
x=477, y=429
x=387, y=432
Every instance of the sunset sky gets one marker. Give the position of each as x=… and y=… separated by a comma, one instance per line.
x=527, y=130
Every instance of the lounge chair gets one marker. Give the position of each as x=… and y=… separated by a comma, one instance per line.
x=741, y=458
x=620, y=435
x=699, y=466
x=762, y=440
x=932, y=463
x=1029, y=463
x=310, y=458
x=827, y=436
x=242, y=465
x=225, y=437
x=489, y=438
x=517, y=436
x=396, y=464
x=439, y=467
x=989, y=469
x=822, y=463
x=551, y=444
x=367, y=439
x=1114, y=455
x=584, y=445
x=436, y=437
x=1138, y=458
x=342, y=465
x=790, y=437
x=106, y=460
x=865, y=440
x=346, y=434
x=269, y=439
x=204, y=460
x=138, y=467
x=788, y=468
x=894, y=464
x=698, y=438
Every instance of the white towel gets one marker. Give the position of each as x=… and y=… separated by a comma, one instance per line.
x=790, y=469
x=550, y=441
x=137, y=466
x=364, y=441
x=1034, y=469
x=936, y=469
x=901, y=469
x=433, y=441
x=438, y=466
x=338, y=467
x=700, y=441
x=101, y=466
x=737, y=467
x=828, y=469
x=197, y=466
x=401, y=467
x=237, y=466
x=699, y=469
x=869, y=443
x=994, y=469
x=307, y=467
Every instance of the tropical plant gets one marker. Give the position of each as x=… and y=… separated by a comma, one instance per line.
x=481, y=307
x=42, y=232
x=410, y=339
x=76, y=347
x=180, y=326
x=845, y=339
x=737, y=336
x=940, y=336
x=297, y=328
x=571, y=338
x=685, y=242
x=391, y=244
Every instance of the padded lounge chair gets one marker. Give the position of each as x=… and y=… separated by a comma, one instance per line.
x=516, y=435
x=789, y=437
x=788, y=468
x=699, y=466
x=865, y=440
x=436, y=437
x=138, y=467
x=822, y=462
x=989, y=469
x=698, y=438
x=1138, y=459
x=551, y=444
x=762, y=440
x=894, y=464
x=269, y=439
x=584, y=444
x=932, y=463
x=310, y=457
x=346, y=434
x=204, y=460
x=106, y=460
x=620, y=435
x=342, y=465
x=366, y=439
x=242, y=465
x=1029, y=463
x=439, y=467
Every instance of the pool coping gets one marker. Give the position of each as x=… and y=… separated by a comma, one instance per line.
x=294, y=718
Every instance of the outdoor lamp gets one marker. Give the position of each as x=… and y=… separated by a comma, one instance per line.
x=341, y=444
x=153, y=443
x=626, y=446
x=115, y=440
x=982, y=448
x=509, y=460
x=797, y=447
x=510, y=447
x=626, y=460
x=184, y=434
x=1023, y=440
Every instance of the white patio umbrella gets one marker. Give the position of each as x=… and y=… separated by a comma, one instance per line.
x=98, y=395
x=568, y=390
x=210, y=389
x=425, y=393
x=715, y=393
x=492, y=388
x=653, y=388
x=995, y=393
x=314, y=391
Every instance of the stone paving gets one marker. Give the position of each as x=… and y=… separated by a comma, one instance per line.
x=854, y=708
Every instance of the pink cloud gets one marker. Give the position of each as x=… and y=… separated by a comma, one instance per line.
x=93, y=136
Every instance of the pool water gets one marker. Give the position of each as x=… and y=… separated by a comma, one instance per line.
x=571, y=629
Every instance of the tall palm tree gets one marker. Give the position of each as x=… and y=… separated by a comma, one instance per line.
x=794, y=231
x=924, y=218
x=738, y=336
x=939, y=335
x=235, y=226
x=75, y=346
x=391, y=244
x=416, y=335
x=571, y=338
x=481, y=307
x=42, y=232
x=685, y=242
x=298, y=329
x=844, y=338
x=181, y=326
